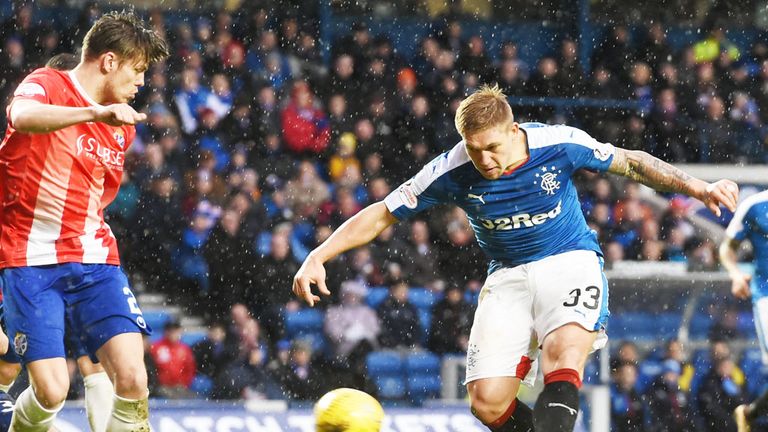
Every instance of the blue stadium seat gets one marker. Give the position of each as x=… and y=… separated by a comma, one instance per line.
x=752, y=366
x=472, y=297
x=303, y=321
x=423, y=298
x=746, y=325
x=422, y=363
x=376, y=296
x=316, y=340
x=701, y=364
x=390, y=387
x=201, y=386
x=699, y=326
x=425, y=320
x=156, y=320
x=191, y=338
x=647, y=373
x=644, y=325
x=423, y=386
x=384, y=363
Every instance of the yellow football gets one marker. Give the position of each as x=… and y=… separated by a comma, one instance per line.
x=348, y=410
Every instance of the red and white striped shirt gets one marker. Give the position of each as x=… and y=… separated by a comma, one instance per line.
x=56, y=185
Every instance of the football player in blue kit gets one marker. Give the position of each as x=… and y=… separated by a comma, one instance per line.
x=545, y=287
x=750, y=222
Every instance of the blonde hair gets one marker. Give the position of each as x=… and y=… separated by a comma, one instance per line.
x=483, y=109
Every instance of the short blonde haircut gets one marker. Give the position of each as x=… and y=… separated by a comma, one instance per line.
x=483, y=109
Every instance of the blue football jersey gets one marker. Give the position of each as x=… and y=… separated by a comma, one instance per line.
x=750, y=222
x=523, y=216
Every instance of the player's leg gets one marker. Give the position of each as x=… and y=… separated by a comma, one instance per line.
x=106, y=315
x=99, y=393
x=570, y=309
x=500, y=354
x=34, y=310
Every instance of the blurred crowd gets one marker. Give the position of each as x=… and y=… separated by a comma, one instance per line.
x=255, y=150
x=670, y=390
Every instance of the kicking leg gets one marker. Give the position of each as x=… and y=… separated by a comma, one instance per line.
x=563, y=356
x=495, y=403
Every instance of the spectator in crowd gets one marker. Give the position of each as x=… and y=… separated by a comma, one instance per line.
x=627, y=407
x=420, y=256
x=213, y=353
x=306, y=129
x=400, y=326
x=353, y=329
x=299, y=379
x=719, y=395
x=668, y=405
x=451, y=321
x=175, y=363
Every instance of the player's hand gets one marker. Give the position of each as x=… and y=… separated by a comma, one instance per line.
x=740, y=285
x=721, y=192
x=118, y=115
x=311, y=272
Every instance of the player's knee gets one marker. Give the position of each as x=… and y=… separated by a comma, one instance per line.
x=131, y=382
x=52, y=393
x=488, y=404
x=9, y=372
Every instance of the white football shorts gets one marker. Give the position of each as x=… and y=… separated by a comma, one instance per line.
x=520, y=305
x=760, y=315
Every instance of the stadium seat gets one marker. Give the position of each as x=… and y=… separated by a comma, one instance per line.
x=746, y=325
x=423, y=298
x=303, y=321
x=156, y=320
x=376, y=296
x=201, y=386
x=648, y=370
x=419, y=363
x=425, y=320
x=752, y=366
x=191, y=338
x=423, y=386
x=390, y=387
x=384, y=363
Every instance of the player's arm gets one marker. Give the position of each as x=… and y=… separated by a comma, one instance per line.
x=729, y=260
x=659, y=175
x=356, y=231
x=31, y=116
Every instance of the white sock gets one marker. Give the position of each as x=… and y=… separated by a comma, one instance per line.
x=98, y=400
x=4, y=388
x=129, y=415
x=30, y=416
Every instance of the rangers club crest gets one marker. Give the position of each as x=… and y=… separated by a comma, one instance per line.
x=548, y=179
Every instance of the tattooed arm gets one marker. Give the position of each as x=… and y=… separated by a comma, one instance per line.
x=659, y=175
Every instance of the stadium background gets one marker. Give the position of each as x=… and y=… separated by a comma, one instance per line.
x=273, y=122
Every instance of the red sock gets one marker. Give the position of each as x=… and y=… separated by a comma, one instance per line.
x=499, y=422
x=567, y=375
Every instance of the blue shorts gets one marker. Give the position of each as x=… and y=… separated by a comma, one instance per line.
x=92, y=301
x=74, y=348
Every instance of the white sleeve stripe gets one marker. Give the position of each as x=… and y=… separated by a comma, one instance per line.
x=456, y=157
x=737, y=223
x=547, y=136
